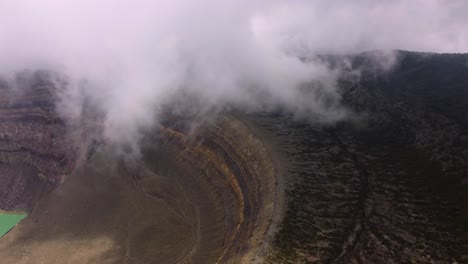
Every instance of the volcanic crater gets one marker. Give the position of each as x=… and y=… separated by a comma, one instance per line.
x=389, y=186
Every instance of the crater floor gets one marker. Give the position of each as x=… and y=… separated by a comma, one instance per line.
x=203, y=198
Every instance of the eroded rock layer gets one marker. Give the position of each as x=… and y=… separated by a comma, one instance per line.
x=35, y=152
x=240, y=172
x=390, y=187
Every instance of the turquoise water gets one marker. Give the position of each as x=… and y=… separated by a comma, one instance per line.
x=8, y=221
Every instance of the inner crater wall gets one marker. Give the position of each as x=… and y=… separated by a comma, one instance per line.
x=238, y=170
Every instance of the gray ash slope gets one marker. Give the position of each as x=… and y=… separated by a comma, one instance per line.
x=391, y=187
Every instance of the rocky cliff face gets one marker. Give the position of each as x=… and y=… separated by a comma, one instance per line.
x=35, y=152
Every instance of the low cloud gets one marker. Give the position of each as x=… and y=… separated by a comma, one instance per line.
x=128, y=58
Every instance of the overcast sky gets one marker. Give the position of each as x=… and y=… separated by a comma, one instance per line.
x=135, y=54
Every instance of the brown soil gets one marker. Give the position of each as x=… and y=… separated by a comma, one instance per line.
x=203, y=198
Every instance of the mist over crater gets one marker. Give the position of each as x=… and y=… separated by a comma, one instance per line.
x=234, y=131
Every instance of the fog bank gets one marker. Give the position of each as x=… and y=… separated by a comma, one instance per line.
x=128, y=58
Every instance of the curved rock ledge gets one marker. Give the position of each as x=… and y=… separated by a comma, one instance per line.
x=201, y=197
x=236, y=166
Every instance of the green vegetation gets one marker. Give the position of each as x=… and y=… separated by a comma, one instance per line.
x=9, y=220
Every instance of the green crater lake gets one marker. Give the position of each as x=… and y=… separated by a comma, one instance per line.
x=8, y=221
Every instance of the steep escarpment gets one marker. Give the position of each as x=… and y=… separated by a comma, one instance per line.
x=35, y=152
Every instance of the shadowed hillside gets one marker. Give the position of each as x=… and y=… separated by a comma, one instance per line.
x=390, y=187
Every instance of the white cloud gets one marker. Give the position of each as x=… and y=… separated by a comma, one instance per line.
x=136, y=54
